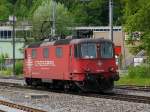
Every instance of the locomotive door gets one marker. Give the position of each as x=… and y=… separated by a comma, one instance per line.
x=67, y=62
x=28, y=63
x=70, y=59
x=71, y=62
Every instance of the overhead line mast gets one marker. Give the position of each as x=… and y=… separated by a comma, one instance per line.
x=111, y=19
x=53, y=30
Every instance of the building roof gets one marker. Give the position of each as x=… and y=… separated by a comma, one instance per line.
x=17, y=28
x=96, y=27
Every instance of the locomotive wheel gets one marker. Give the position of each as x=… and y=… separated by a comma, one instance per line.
x=28, y=81
x=66, y=87
x=33, y=82
x=36, y=82
x=80, y=87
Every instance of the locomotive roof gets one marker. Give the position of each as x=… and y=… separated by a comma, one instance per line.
x=67, y=41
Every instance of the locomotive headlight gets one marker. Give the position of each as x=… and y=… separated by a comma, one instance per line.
x=111, y=69
x=99, y=63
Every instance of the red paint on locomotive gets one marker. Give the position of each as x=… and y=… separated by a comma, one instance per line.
x=71, y=60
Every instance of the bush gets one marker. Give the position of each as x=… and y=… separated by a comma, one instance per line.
x=6, y=72
x=19, y=67
x=139, y=71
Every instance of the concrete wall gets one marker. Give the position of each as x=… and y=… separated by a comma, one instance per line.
x=118, y=36
x=119, y=40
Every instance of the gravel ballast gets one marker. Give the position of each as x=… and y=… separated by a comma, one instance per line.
x=59, y=102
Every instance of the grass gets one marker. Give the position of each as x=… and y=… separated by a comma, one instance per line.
x=138, y=75
x=5, y=73
x=8, y=73
x=126, y=80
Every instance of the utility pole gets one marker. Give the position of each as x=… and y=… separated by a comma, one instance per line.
x=14, y=61
x=53, y=30
x=1, y=53
x=111, y=19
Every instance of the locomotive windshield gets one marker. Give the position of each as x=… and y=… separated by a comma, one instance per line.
x=92, y=51
x=106, y=50
x=86, y=50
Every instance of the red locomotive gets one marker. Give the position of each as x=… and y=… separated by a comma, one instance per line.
x=87, y=64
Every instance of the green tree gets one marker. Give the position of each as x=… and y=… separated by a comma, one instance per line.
x=70, y=4
x=118, y=11
x=24, y=7
x=21, y=8
x=5, y=9
x=34, y=6
x=93, y=12
x=42, y=19
x=137, y=19
x=12, y=1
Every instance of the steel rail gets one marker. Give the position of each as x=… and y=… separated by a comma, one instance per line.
x=114, y=96
x=129, y=98
x=135, y=88
x=20, y=107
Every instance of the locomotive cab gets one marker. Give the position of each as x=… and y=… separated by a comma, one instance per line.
x=94, y=62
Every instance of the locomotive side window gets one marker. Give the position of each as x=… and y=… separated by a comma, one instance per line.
x=106, y=50
x=45, y=52
x=59, y=52
x=33, y=53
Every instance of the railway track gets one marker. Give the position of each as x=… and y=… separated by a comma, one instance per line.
x=124, y=97
x=18, y=107
x=135, y=88
x=114, y=96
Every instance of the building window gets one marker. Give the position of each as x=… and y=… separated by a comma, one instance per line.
x=58, y=52
x=9, y=34
x=5, y=34
x=1, y=34
x=33, y=53
x=45, y=52
x=115, y=29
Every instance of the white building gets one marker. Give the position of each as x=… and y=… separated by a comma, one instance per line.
x=6, y=36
